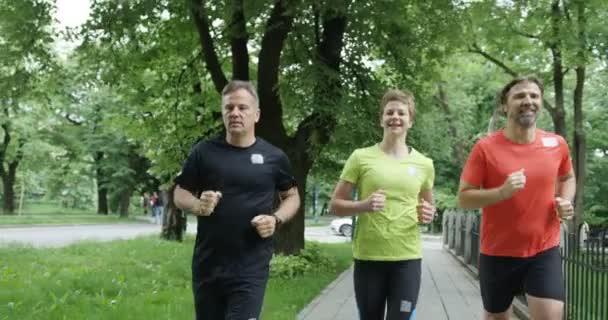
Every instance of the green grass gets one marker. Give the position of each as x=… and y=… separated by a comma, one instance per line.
x=50, y=212
x=145, y=278
x=58, y=219
x=49, y=207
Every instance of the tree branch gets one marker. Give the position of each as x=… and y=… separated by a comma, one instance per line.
x=476, y=49
x=566, y=11
x=6, y=141
x=238, y=42
x=67, y=116
x=278, y=26
x=513, y=29
x=19, y=153
x=187, y=67
x=317, y=15
x=323, y=122
x=204, y=31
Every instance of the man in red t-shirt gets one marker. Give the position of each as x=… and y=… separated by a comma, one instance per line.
x=522, y=178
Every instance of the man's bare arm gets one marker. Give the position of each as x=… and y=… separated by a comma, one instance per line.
x=566, y=186
x=290, y=202
x=472, y=197
x=185, y=200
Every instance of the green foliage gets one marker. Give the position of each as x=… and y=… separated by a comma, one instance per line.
x=596, y=187
x=310, y=259
x=171, y=98
x=125, y=108
x=26, y=59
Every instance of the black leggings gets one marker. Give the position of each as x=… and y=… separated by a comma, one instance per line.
x=393, y=285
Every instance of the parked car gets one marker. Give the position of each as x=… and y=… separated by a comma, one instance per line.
x=342, y=226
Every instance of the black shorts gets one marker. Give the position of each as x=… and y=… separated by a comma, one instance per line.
x=387, y=285
x=229, y=299
x=502, y=278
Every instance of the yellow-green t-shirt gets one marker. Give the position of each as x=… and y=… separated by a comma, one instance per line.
x=391, y=234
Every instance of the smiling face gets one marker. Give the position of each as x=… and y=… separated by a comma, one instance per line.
x=396, y=118
x=523, y=104
x=240, y=112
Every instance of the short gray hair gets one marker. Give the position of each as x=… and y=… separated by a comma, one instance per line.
x=235, y=85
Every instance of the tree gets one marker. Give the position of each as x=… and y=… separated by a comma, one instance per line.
x=25, y=38
x=308, y=59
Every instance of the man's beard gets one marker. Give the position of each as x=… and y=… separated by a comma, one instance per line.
x=525, y=121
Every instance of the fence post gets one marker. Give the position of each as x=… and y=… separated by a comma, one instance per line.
x=445, y=226
x=470, y=220
x=460, y=224
x=452, y=223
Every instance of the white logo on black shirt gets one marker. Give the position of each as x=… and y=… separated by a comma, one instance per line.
x=257, y=158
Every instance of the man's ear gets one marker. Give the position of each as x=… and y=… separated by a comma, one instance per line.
x=503, y=109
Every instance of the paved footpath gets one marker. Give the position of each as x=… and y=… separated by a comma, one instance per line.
x=448, y=291
x=59, y=236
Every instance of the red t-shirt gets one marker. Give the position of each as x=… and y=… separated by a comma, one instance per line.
x=526, y=223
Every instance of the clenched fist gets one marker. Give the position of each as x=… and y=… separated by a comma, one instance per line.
x=426, y=211
x=564, y=208
x=207, y=203
x=264, y=225
x=515, y=182
x=375, y=201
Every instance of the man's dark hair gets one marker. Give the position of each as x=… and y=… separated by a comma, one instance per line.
x=502, y=98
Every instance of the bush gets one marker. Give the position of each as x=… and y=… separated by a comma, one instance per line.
x=309, y=260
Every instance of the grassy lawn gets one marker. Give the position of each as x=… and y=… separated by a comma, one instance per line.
x=145, y=278
x=61, y=219
x=48, y=212
x=47, y=207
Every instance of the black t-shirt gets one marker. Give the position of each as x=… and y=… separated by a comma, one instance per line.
x=226, y=243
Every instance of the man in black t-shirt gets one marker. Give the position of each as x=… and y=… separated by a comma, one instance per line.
x=237, y=177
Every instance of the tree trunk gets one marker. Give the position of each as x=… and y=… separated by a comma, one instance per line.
x=580, y=142
x=8, y=182
x=102, y=199
x=102, y=190
x=8, y=174
x=558, y=115
x=174, y=220
x=125, y=201
x=315, y=131
x=290, y=237
x=9, y=179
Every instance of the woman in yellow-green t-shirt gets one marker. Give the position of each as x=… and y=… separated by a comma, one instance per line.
x=396, y=185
